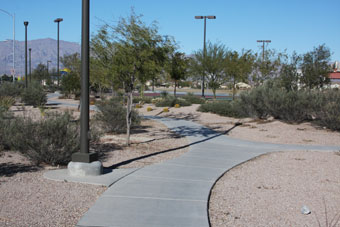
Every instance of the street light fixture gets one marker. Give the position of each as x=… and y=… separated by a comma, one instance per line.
x=58, y=20
x=204, y=49
x=13, y=16
x=26, y=24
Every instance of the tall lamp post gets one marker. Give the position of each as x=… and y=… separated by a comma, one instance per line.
x=84, y=155
x=13, y=16
x=204, y=49
x=58, y=20
x=47, y=68
x=26, y=24
x=30, y=61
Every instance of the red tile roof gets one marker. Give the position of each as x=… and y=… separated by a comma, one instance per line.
x=334, y=75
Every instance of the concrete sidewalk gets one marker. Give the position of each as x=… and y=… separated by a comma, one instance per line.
x=176, y=192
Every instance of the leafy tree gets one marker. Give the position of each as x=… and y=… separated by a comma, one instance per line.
x=40, y=73
x=72, y=62
x=102, y=52
x=70, y=83
x=239, y=66
x=139, y=51
x=267, y=67
x=178, y=68
x=289, y=74
x=212, y=65
x=315, y=67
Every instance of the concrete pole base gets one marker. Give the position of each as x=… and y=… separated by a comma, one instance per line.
x=81, y=169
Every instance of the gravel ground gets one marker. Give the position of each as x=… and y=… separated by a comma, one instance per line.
x=272, y=189
x=27, y=199
x=267, y=191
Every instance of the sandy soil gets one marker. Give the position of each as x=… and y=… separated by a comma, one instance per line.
x=267, y=191
x=27, y=199
x=271, y=190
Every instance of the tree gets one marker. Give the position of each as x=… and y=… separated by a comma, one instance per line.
x=139, y=51
x=40, y=73
x=238, y=66
x=315, y=67
x=72, y=62
x=267, y=67
x=289, y=74
x=178, y=68
x=70, y=83
x=211, y=65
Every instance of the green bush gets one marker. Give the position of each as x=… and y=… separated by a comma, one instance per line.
x=171, y=101
x=6, y=102
x=51, y=140
x=112, y=116
x=327, y=110
x=142, y=99
x=223, y=108
x=11, y=89
x=193, y=99
x=5, y=128
x=34, y=95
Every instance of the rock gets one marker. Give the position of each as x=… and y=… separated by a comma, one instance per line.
x=305, y=210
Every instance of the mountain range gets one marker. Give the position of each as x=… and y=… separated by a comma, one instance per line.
x=43, y=50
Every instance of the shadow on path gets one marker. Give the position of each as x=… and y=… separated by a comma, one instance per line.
x=186, y=132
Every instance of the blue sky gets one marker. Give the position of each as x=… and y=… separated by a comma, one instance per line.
x=291, y=24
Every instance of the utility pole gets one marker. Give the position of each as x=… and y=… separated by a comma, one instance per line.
x=263, y=42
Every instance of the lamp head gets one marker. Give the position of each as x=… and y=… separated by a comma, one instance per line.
x=25, y=23
x=58, y=20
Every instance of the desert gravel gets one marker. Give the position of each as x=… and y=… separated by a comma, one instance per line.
x=267, y=191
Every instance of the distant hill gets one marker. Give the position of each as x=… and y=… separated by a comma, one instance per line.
x=43, y=50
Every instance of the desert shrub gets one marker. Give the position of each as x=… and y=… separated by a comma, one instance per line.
x=171, y=101
x=112, y=116
x=11, y=89
x=142, y=99
x=223, y=108
x=34, y=95
x=327, y=109
x=5, y=128
x=51, y=140
x=191, y=98
x=6, y=102
x=164, y=94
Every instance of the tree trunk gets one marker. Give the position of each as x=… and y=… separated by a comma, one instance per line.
x=142, y=88
x=234, y=83
x=128, y=117
x=153, y=85
x=175, y=89
x=214, y=92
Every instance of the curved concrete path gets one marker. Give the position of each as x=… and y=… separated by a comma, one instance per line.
x=176, y=192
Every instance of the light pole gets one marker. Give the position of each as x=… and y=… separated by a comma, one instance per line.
x=47, y=69
x=263, y=42
x=26, y=23
x=84, y=155
x=58, y=20
x=30, y=60
x=204, y=49
x=13, y=16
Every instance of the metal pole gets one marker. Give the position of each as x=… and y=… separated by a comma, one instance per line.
x=84, y=155
x=30, y=60
x=26, y=23
x=13, y=48
x=13, y=16
x=58, y=56
x=204, y=54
